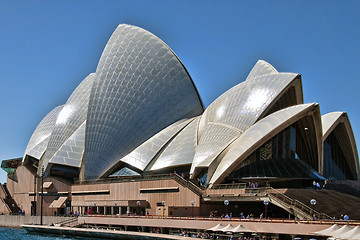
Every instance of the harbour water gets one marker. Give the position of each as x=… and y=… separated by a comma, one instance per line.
x=20, y=234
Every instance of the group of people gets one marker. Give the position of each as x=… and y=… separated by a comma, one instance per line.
x=22, y=213
x=207, y=235
x=230, y=215
x=253, y=185
x=316, y=185
x=344, y=217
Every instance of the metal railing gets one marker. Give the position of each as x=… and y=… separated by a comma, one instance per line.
x=4, y=189
x=126, y=179
x=6, y=205
x=190, y=185
x=229, y=186
x=296, y=205
x=73, y=221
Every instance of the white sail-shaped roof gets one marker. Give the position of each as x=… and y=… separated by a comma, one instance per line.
x=71, y=117
x=238, y=109
x=71, y=152
x=258, y=134
x=141, y=87
x=331, y=122
x=180, y=150
x=142, y=155
x=39, y=139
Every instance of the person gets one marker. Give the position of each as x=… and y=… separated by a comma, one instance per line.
x=314, y=184
x=346, y=217
x=317, y=185
x=261, y=215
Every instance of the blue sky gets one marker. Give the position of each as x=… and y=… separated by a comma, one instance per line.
x=48, y=47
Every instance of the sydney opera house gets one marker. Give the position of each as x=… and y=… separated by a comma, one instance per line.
x=134, y=137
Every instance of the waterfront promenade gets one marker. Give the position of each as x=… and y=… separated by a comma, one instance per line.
x=154, y=227
x=165, y=227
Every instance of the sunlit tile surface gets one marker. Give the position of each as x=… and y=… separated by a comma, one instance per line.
x=181, y=150
x=70, y=118
x=236, y=110
x=39, y=139
x=71, y=152
x=329, y=119
x=141, y=87
x=143, y=154
x=255, y=134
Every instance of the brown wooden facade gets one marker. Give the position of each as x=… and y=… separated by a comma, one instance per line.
x=164, y=197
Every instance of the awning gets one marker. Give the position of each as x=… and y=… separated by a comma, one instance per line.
x=338, y=233
x=47, y=184
x=352, y=234
x=58, y=203
x=240, y=228
x=328, y=231
x=228, y=228
x=216, y=228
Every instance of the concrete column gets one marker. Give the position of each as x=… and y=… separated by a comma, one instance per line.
x=112, y=210
x=127, y=210
x=105, y=210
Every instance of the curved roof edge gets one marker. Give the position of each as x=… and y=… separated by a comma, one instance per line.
x=261, y=68
x=70, y=118
x=299, y=95
x=71, y=151
x=43, y=129
x=330, y=121
x=180, y=150
x=187, y=72
x=259, y=133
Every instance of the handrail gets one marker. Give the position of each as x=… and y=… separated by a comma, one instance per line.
x=127, y=179
x=7, y=206
x=187, y=184
x=299, y=205
x=229, y=186
x=4, y=190
x=70, y=222
x=72, y=219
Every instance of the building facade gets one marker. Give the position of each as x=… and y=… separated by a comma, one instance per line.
x=135, y=137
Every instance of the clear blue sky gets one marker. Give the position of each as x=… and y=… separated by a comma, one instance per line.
x=48, y=47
